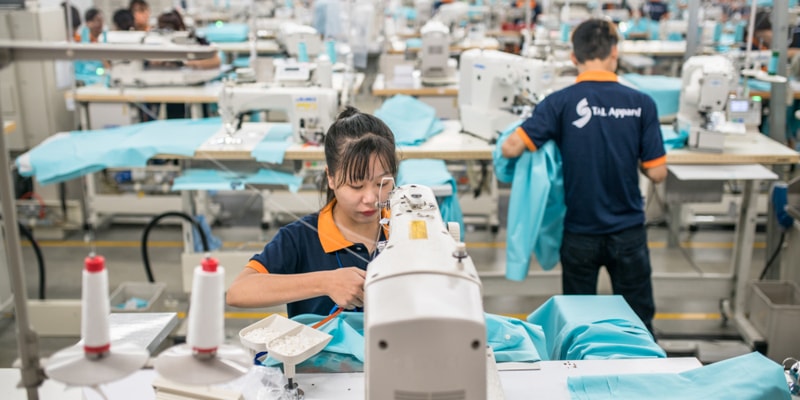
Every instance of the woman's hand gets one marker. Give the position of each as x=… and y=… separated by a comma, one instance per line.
x=346, y=287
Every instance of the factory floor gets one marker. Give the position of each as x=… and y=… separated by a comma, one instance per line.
x=710, y=250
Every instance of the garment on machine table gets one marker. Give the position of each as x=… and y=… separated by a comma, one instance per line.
x=535, y=208
x=599, y=115
x=312, y=244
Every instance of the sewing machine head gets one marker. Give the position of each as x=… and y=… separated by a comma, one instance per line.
x=311, y=110
x=424, y=326
x=498, y=88
x=300, y=41
x=436, y=67
x=707, y=83
x=150, y=73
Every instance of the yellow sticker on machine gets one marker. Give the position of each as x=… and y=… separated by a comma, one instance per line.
x=419, y=230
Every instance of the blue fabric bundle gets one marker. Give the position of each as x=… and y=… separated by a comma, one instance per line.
x=273, y=147
x=433, y=173
x=67, y=156
x=224, y=33
x=536, y=206
x=212, y=179
x=673, y=140
x=593, y=327
x=411, y=120
x=664, y=90
x=748, y=377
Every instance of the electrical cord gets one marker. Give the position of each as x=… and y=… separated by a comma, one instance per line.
x=153, y=222
x=39, y=258
x=773, y=256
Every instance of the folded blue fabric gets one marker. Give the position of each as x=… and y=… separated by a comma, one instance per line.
x=433, y=173
x=273, y=147
x=760, y=86
x=63, y=157
x=672, y=139
x=664, y=90
x=224, y=33
x=593, y=327
x=211, y=179
x=515, y=340
x=536, y=206
x=748, y=377
x=411, y=120
x=413, y=43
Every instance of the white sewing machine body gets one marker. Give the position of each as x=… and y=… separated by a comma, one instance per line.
x=707, y=82
x=292, y=34
x=489, y=83
x=425, y=333
x=143, y=73
x=436, y=66
x=311, y=110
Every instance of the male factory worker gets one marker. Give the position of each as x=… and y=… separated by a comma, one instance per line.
x=606, y=132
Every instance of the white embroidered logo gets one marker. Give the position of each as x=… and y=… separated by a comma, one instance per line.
x=584, y=111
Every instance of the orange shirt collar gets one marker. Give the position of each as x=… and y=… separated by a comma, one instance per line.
x=597, y=76
x=330, y=236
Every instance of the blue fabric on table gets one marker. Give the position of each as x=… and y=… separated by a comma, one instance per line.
x=67, y=156
x=228, y=32
x=672, y=139
x=536, y=206
x=664, y=90
x=411, y=120
x=433, y=173
x=273, y=147
x=593, y=327
x=748, y=377
x=212, y=179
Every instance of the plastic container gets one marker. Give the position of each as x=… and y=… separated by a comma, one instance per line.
x=138, y=296
x=313, y=341
x=274, y=322
x=774, y=310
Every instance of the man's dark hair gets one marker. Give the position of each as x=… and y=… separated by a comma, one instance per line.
x=123, y=19
x=593, y=39
x=90, y=14
x=76, y=16
x=137, y=3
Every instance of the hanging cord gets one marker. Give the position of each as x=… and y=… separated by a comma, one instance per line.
x=39, y=258
x=146, y=257
x=772, y=258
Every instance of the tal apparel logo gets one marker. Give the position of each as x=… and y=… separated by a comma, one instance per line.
x=584, y=111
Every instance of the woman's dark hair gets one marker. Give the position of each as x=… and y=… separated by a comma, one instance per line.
x=75, y=16
x=593, y=39
x=352, y=140
x=171, y=20
x=90, y=14
x=123, y=19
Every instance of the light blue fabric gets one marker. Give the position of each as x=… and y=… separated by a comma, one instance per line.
x=411, y=120
x=665, y=91
x=760, y=86
x=593, y=327
x=69, y=156
x=211, y=179
x=273, y=147
x=433, y=173
x=673, y=140
x=642, y=26
x=748, y=377
x=224, y=33
x=90, y=72
x=214, y=242
x=512, y=340
x=326, y=18
x=413, y=43
x=536, y=206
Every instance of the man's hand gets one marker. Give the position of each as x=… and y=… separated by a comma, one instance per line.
x=513, y=146
x=346, y=287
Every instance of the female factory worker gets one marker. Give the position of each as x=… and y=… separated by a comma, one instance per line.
x=320, y=260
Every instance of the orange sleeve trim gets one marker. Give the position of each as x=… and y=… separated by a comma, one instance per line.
x=654, y=162
x=253, y=264
x=525, y=138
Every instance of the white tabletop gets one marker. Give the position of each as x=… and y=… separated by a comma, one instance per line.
x=263, y=46
x=653, y=47
x=722, y=172
x=50, y=389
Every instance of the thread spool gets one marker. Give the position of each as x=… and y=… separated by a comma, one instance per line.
x=206, y=330
x=95, y=329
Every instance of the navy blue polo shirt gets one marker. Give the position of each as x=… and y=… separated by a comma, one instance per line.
x=604, y=130
x=313, y=243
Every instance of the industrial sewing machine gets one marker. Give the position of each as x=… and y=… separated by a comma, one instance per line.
x=707, y=111
x=299, y=40
x=497, y=88
x=436, y=66
x=423, y=302
x=311, y=110
x=144, y=73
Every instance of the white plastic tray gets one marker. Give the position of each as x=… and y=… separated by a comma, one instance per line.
x=314, y=340
x=274, y=322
